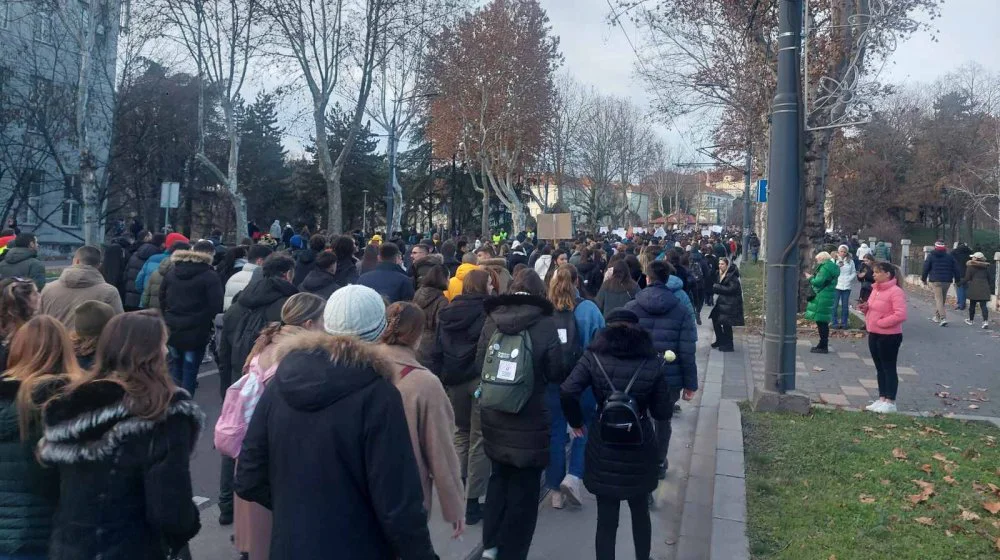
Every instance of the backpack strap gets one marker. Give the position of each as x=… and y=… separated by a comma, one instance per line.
x=635, y=374
x=600, y=366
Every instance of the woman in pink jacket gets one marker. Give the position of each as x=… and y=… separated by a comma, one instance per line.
x=885, y=312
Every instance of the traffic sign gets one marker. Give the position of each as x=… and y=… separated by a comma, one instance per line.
x=762, y=190
x=170, y=195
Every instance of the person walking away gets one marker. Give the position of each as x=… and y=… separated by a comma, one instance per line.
x=305, y=261
x=940, y=270
x=120, y=438
x=820, y=306
x=190, y=296
x=151, y=245
x=151, y=293
x=430, y=299
x=79, y=282
x=429, y=415
x=865, y=277
x=39, y=353
x=388, y=277
x=885, y=313
x=347, y=269
x=286, y=235
x=19, y=302
x=88, y=323
x=961, y=254
x=978, y=285
x=335, y=394
x=728, y=310
x=238, y=282
x=453, y=360
x=882, y=252
x=620, y=361
x=153, y=263
x=845, y=285
x=21, y=260
x=577, y=321
x=455, y=284
x=672, y=328
x=275, y=230
x=322, y=280
x=516, y=421
x=450, y=261
x=252, y=530
x=713, y=273
x=113, y=263
x=864, y=250
x=696, y=281
x=617, y=290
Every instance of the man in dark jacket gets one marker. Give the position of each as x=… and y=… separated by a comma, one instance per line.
x=962, y=254
x=940, y=270
x=347, y=269
x=322, y=280
x=348, y=474
x=670, y=324
x=153, y=245
x=305, y=261
x=448, y=254
x=190, y=296
x=114, y=262
x=388, y=278
x=21, y=260
x=518, y=444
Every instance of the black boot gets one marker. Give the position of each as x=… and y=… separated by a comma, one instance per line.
x=473, y=511
x=819, y=350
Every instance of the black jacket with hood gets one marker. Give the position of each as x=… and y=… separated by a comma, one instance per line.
x=623, y=350
x=728, y=308
x=348, y=478
x=522, y=439
x=305, y=262
x=321, y=283
x=459, y=324
x=190, y=296
x=347, y=271
x=132, y=270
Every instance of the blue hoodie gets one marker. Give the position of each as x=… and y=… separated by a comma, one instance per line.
x=676, y=285
x=152, y=263
x=589, y=320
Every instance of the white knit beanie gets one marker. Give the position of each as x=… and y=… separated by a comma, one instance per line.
x=355, y=310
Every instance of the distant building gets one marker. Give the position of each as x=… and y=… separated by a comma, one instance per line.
x=576, y=196
x=713, y=206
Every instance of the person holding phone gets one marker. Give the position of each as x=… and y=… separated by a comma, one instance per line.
x=820, y=307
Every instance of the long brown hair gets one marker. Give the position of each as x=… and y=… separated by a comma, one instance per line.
x=562, y=288
x=297, y=311
x=130, y=353
x=621, y=278
x=39, y=349
x=404, y=324
x=15, y=305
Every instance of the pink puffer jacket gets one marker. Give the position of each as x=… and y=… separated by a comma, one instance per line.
x=886, y=308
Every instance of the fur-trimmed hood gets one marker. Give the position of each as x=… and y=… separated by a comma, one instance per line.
x=92, y=422
x=497, y=262
x=191, y=256
x=514, y=313
x=623, y=340
x=977, y=263
x=317, y=369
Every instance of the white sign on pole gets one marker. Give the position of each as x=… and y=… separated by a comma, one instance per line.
x=170, y=195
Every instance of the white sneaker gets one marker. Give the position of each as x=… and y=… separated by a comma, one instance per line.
x=885, y=407
x=873, y=405
x=986, y=324
x=935, y=319
x=944, y=323
x=490, y=553
x=968, y=322
x=557, y=499
x=570, y=487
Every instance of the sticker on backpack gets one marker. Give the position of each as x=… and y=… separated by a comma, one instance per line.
x=563, y=337
x=506, y=370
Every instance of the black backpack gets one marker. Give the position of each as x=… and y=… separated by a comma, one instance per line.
x=620, y=421
x=569, y=339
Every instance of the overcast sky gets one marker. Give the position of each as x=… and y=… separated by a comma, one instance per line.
x=599, y=55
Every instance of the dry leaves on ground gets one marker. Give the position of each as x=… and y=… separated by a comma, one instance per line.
x=926, y=491
x=969, y=516
x=950, y=480
x=926, y=468
x=992, y=507
x=933, y=430
x=942, y=458
x=899, y=453
x=866, y=499
x=924, y=521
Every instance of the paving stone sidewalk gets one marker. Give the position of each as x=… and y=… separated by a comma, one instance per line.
x=944, y=370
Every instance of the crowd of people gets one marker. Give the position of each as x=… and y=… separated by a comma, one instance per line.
x=479, y=372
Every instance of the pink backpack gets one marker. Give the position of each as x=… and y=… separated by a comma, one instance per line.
x=238, y=406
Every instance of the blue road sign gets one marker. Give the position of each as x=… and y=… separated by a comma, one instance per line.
x=762, y=190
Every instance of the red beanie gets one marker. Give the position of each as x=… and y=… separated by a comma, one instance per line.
x=175, y=238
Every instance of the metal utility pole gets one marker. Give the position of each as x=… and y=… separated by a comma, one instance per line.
x=783, y=213
x=388, y=183
x=747, y=205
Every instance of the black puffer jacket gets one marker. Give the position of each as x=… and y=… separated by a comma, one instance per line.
x=114, y=263
x=190, y=297
x=125, y=487
x=348, y=474
x=453, y=357
x=671, y=326
x=728, y=308
x=135, y=264
x=347, y=271
x=619, y=472
x=321, y=283
x=522, y=439
x=305, y=262
x=28, y=491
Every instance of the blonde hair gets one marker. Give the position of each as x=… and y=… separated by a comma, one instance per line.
x=823, y=256
x=562, y=288
x=297, y=311
x=646, y=258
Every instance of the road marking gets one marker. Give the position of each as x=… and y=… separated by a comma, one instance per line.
x=206, y=373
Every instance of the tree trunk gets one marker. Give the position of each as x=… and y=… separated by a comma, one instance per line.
x=92, y=234
x=814, y=230
x=330, y=176
x=485, y=222
x=232, y=183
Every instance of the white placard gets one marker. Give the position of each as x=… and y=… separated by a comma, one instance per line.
x=506, y=370
x=562, y=336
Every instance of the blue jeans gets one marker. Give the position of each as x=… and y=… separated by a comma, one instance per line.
x=960, y=294
x=844, y=301
x=557, y=470
x=184, y=365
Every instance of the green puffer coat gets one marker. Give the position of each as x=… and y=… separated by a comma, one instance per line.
x=824, y=285
x=28, y=491
x=151, y=293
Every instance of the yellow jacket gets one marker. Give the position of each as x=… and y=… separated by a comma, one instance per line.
x=456, y=283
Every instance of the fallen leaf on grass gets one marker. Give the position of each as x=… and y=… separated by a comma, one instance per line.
x=940, y=457
x=917, y=498
x=859, y=476
x=889, y=426
x=927, y=521
x=996, y=524
x=926, y=468
x=932, y=430
x=884, y=481
x=994, y=488
x=948, y=533
x=949, y=468
x=950, y=480
x=992, y=507
x=997, y=543
x=898, y=453
x=866, y=499
x=969, y=516
x=868, y=429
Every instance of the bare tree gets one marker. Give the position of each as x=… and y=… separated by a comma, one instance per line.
x=634, y=149
x=596, y=159
x=570, y=107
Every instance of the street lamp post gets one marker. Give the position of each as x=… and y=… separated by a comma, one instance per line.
x=364, y=213
x=389, y=195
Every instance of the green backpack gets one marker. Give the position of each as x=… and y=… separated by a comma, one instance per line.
x=508, y=377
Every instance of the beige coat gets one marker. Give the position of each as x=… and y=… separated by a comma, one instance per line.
x=432, y=425
x=77, y=284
